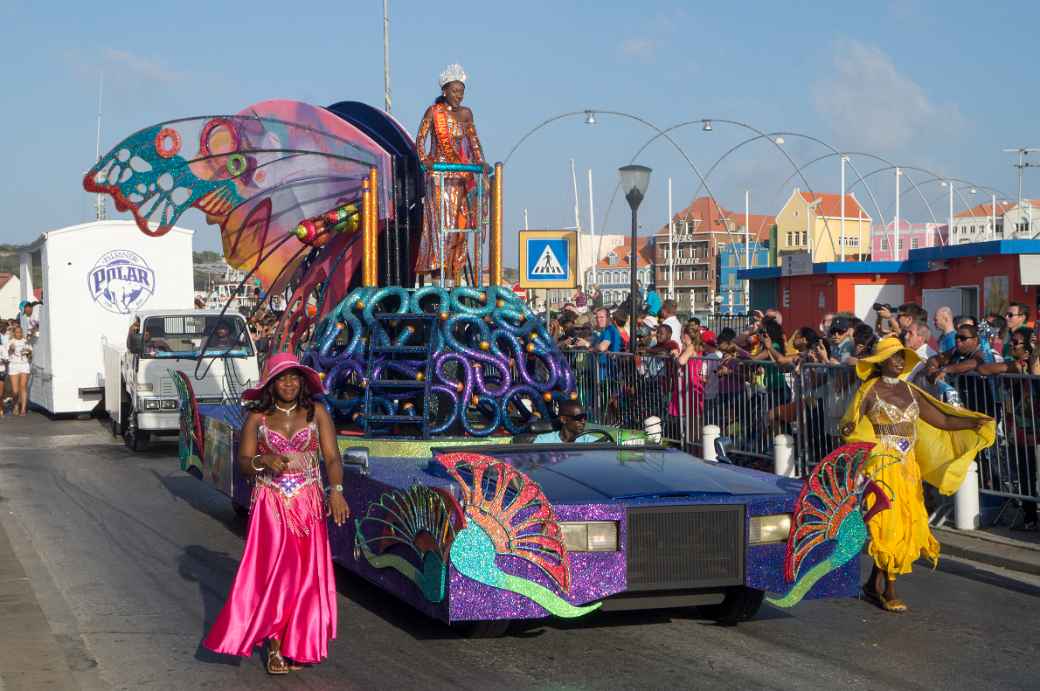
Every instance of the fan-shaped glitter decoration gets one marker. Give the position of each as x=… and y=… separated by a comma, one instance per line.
x=830, y=510
x=421, y=519
x=513, y=512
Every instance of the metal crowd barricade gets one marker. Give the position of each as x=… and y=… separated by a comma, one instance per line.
x=752, y=401
x=1007, y=469
x=619, y=389
x=822, y=394
x=718, y=322
x=747, y=400
x=741, y=397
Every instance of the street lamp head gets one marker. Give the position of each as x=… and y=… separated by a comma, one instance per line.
x=590, y=117
x=974, y=191
x=778, y=140
x=706, y=127
x=634, y=181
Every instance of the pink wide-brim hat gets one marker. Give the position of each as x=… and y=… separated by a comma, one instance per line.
x=282, y=362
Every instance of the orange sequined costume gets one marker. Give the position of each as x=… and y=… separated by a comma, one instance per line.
x=451, y=141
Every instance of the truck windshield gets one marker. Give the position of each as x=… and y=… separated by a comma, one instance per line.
x=185, y=336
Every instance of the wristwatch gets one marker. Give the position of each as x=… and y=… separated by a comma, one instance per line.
x=336, y=488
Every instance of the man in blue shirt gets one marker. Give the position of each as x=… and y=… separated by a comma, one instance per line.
x=947, y=334
x=572, y=427
x=653, y=303
x=605, y=338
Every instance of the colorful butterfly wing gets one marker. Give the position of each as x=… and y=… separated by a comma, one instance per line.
x=256, y=175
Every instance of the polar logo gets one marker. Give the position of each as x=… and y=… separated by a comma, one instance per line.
x=121, y=281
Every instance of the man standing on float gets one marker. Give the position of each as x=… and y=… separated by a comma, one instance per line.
x=453, y=139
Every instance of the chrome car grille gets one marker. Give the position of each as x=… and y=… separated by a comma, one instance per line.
x=676, y=547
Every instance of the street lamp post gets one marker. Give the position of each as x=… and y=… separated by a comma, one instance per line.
x=634, y=181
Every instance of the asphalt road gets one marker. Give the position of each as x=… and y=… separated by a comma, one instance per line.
x=125, y=560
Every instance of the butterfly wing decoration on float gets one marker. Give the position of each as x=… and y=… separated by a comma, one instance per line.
x=259, y=175
x=831, y=512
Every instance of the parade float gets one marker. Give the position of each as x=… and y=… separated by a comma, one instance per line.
x=438, y=390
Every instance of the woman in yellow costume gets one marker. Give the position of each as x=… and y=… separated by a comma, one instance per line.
x=453, y=139
x=915, y=437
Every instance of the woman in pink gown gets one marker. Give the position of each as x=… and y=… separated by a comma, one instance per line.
x=285, y=592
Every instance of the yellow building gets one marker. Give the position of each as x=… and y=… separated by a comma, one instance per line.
x=811, y=222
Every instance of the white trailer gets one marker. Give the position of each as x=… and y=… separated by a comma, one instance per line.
x=213, y=349
x=95, y=277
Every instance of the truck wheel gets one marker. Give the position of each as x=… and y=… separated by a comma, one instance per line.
x=136, y=440
x=484, y=629
x=741, y=604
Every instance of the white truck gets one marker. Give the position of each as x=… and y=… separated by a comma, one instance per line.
x=214, y=350
x=94, y=276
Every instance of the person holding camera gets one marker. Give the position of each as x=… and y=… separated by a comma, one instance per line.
x=886, y=322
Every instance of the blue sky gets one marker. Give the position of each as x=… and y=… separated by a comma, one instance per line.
x=941, y=85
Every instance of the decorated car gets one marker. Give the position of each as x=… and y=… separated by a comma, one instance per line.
x=478, y=533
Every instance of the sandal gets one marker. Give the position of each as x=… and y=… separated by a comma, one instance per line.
x=276, y=663
x=894, y=605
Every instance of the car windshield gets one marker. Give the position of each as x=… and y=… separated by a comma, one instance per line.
x=185, y=336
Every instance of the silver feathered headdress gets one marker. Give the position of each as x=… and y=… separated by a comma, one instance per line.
x=452, y=73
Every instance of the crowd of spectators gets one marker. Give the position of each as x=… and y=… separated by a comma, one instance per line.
x=767, y=373
x=17, y=337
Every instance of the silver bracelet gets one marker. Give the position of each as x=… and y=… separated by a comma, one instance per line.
x=252, y=464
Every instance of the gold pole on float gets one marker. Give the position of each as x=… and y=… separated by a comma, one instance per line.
x=366, y=230
x=495, y=249
x=373, y=236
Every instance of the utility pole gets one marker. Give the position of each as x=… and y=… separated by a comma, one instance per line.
x=993, y=217
x=386, y=55
x=747, y=252
x=1022, y=165
x=896, y=256
x=671, y=246
x=843, y=159
x=592, y=232
x=99, y=203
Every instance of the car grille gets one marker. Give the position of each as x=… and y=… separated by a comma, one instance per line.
x=685, y=547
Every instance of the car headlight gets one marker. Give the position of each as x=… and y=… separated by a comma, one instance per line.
x=767, y=529
x=168, y=404
x=590, y=536
x=151, y=404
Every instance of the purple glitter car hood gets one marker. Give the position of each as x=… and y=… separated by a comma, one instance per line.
x=594, y=474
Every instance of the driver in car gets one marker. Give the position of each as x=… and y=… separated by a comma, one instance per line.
x=572, y=427
x=221, y=337
x=151, y=344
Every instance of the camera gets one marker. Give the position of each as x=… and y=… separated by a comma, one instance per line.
x=878, y=306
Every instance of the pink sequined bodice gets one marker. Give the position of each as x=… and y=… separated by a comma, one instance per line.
x=301, y=448
x=301, y=477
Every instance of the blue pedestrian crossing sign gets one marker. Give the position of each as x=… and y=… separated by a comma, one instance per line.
x=548, y=258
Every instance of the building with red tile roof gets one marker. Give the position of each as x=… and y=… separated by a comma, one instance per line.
x=812, y=223
x=612, y=272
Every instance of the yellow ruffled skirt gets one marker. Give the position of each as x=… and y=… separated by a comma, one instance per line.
x=899, y=535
